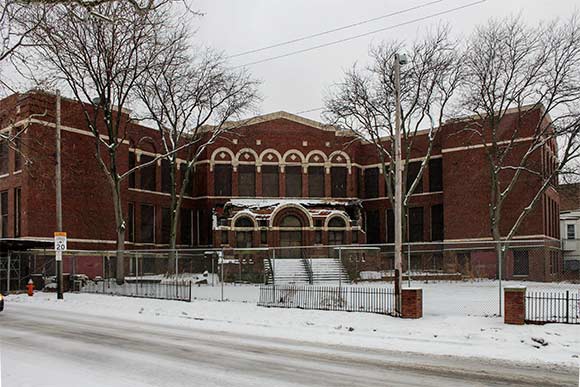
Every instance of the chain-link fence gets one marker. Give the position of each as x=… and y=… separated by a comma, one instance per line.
x=457, y=277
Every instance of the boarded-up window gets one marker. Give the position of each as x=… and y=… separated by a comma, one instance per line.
x=183, y=173
x=436, y=175
x=165, y=176
x=371, y=183
x=316, y=182
x=148, y=173
x=415, y=224
x=412, y=173
x=165, y=225
x=185, y=218
x=147, y=223
x=17, y=154
x=17, y=208
x=521, y=262
x=131, y=222
x=390, y=226
x=270, y=181
x=293, y=181
x=338, y=181
x=437, y=233
x=247, y=180
x=131, y=166
x=222, y=180
x=4, y=214
x=3, y=157
x=373, y=227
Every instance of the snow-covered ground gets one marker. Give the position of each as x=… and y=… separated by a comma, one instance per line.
x=453, y=322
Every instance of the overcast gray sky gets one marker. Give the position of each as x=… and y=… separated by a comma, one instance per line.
x=297, y=83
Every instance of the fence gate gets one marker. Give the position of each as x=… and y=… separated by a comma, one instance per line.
x=553, y=307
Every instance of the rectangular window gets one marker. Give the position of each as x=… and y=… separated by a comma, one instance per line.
x=390, y=226
x=338, y=181
x=189, y=188
x=17, y=211
x=247, y=180
x=17, y=154
x=147, y=223
x=165, y=176
x=318, y=237
x=293, y=181
x=571, y=231
x=359, y=183
x=4, y=214
x=222, y=174
x=4, y=157
x=412, y=174
x=185, y=219
x=225, y=238
x=270, y=181
x=373, y=227
x=316, y=182
x=131, y=166
x=131, y=222
x=264, y=237
x=521, y=262
x=415, y=225
x=436, y=175
x=437, y=228
x=371, y=183
x=165, y=225
x=148, y=173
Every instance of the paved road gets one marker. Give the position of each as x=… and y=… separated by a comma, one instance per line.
x=42, y=347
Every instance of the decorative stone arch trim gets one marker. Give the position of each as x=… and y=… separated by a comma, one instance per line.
x=341, y=154
x=271, y=162
x=240, y=160
x=341, y=215
x=322, y=161
x=291, y=209
x=244, y=214
x=215, y=154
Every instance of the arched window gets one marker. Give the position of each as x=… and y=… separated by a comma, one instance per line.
x=336, y=230
x=291, y=221
x=244, y=222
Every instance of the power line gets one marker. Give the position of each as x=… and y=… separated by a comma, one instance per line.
x=309, y=110
x=363, y=35
x=335, y=29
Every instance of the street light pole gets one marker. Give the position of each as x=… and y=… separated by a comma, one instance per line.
x=58, y=183
x=399, y=60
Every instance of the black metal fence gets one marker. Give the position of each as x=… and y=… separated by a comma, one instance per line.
x=379, y=300
x=176, y=290
x=553, y=307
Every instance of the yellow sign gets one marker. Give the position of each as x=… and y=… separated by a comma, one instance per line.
x=60, y=234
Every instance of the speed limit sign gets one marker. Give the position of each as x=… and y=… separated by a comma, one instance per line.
x=59, y=243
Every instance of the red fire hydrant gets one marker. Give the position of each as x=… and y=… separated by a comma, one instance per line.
x=30, y=288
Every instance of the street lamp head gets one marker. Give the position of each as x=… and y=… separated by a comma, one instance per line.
x=402, y=59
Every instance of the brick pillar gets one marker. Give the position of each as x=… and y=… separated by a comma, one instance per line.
x=515, y=305
x=412, y=303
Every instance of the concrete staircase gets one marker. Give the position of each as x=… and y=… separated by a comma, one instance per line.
x=304, y=271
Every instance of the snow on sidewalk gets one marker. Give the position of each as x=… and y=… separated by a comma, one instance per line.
x=454, y=334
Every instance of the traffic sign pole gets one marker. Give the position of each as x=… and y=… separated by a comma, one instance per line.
x=59, y=247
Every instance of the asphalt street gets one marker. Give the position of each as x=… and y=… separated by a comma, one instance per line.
x=44, y=347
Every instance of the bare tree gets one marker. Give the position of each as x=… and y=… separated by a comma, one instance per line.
x=100, y=61
x=184, y=93
x=364, y=102
x=522, y=90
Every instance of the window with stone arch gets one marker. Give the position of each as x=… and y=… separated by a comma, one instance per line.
x=244, y=238
x=336, y=231
x=291, y=221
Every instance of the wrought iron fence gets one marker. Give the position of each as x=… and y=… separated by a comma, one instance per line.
x=553, y=307
x=379, y=300
x=176, y=290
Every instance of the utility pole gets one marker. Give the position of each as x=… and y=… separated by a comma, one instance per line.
x=399, y=60
x=58, y=183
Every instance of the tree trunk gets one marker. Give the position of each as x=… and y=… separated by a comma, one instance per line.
x=120, y=223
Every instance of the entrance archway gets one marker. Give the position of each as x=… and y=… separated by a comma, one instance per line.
x=291, y=236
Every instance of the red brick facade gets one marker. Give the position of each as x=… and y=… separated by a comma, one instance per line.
x=297, y=150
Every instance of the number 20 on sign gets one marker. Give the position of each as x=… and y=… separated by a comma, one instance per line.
x=59, y=244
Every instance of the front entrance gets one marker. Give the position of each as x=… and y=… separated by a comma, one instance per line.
x=291, y=236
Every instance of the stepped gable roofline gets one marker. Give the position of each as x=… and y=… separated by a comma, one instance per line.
x=281, y=115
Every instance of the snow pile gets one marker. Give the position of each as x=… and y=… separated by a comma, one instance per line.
x=447, y=334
